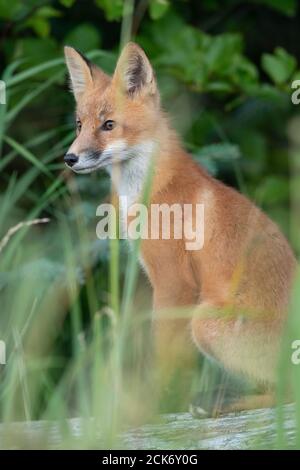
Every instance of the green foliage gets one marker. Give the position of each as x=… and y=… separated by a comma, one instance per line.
x=113, y=10
x=205, y=63
x=40, y=20
x=9, y=10
x=273, y=190
x=280, y=66
x=67, y=3
x=224, y=74
x=84, y=37
x=158, y=8
x=210, y=156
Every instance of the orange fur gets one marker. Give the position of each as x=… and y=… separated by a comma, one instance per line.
x=237, y=287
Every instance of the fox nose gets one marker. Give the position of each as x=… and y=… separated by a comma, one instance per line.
x=70, y=159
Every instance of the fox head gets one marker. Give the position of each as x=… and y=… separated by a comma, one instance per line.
x=116, y=117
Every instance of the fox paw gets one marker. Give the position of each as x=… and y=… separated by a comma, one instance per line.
x=212, y=404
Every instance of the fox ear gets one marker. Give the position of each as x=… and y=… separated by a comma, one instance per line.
x=134, y=72
x=79, y=69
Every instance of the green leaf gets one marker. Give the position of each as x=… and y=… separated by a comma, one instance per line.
x=279, y=66
x=267, y=92
x=113, y=10
x=40, y=26
x=220, y=86
x=287, y=7
x=222, y=151
x=84, y=37
x=39, y=22
x=273, y=190
x=296, y=75
x=158, y=8
x=209, y=164
x=48, y=12
x=10, y=9
x=219, y=51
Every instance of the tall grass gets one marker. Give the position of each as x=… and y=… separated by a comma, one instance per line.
x=50, y=272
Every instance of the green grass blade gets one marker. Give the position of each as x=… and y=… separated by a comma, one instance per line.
x=29, y=156
x=12, y=114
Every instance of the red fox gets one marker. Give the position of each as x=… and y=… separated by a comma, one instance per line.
x=237, y=286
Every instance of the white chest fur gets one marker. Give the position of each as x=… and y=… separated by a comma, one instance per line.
x=129, y=172
x=131, y=167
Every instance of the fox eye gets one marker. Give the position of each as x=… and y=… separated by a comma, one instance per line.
x=78, y=125
x=108, y=125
